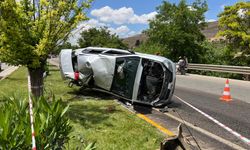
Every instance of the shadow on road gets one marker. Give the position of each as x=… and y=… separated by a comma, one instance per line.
x=143, y=109
x=174, y=104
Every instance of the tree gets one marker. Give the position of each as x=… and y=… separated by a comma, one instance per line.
x=64, y=45
x=234, y=24
x=100, y=37
x=215, y=52
x=151, y=48
x=178, y=28
x=30, y=30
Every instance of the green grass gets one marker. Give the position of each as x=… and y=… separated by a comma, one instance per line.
x=16, y=83
x=95, y=116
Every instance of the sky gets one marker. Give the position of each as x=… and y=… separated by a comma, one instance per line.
x=130, y=17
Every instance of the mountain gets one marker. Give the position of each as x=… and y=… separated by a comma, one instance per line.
x=210, y=33
x=211, y=30
x=131, y=41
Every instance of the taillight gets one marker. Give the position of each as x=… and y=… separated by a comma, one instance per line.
x=76, y=75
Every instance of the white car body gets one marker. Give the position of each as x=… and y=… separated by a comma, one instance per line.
x=136, y=77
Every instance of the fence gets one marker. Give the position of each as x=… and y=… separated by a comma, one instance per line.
x=220, y=68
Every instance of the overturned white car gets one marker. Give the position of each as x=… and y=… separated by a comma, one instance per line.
x=136, y=77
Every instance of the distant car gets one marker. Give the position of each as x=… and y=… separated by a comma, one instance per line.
x=136, y=77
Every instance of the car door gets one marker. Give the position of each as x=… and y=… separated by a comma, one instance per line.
x=65, y=63
x=152, y=79
x=103, y=67
x=125, y=75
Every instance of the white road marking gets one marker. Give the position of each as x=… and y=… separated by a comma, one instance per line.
x=244, y=139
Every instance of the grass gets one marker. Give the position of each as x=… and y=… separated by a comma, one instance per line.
x=15, y=83
x=95, y=116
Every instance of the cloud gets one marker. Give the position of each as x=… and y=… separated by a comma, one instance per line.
x=92, y=23
x=123, y=31
x=143, y=19
x=123, y=15
x=132, y=33
x=210, y=20
x=118, y=16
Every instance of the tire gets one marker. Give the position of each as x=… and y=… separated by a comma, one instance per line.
x=182, y=71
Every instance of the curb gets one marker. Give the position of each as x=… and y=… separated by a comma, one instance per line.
x=5, y=73
x=148, y=120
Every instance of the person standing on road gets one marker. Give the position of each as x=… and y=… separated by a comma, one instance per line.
x=181, y=62
x=181, y=65
x=186, y=62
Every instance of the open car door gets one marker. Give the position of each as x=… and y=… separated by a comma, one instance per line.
x=154, y=82
x=125, y=75
x=65, y=63
x=103, y=70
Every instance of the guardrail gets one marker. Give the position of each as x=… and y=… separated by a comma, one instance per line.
x=220, y=68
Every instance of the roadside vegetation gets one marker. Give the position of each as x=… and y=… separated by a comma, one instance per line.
x=94, y=117
x=52, y=126
x=179, y=34
x=31, y=30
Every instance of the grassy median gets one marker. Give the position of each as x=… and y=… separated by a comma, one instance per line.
x=95, y=116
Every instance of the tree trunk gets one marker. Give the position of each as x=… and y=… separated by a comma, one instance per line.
x=36, y=80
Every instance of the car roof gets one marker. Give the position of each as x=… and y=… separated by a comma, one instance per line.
x=143, y=55
x=108, y=49
x=152, y=57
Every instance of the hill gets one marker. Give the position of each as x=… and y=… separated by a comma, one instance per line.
x=211, y=30
x=131, y=41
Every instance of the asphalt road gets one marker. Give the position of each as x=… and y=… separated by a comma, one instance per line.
x=234, y=114
x=214, y=85
x=203, y=92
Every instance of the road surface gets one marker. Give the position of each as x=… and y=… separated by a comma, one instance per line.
x=214, y=85
x=203, y=92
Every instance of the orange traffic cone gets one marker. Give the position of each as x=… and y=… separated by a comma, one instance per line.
x=226, y=93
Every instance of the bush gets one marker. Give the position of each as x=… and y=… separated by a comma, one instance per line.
x=152, y=48
x=52, y=127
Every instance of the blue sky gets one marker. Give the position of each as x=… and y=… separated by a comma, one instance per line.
x=129, y=17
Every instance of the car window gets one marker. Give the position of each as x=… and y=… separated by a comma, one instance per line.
x=93, y=51
x=112, y=52
x=124, y=76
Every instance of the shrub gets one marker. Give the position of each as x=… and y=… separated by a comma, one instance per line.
x=52, y=127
